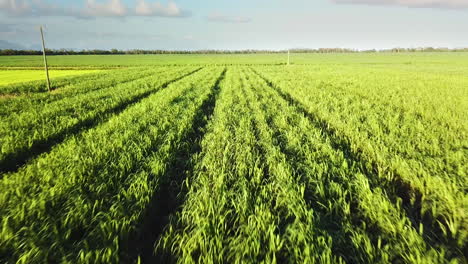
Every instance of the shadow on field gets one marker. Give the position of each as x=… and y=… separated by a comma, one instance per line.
x=13, y=162
x=168, y=199
x=396, y=189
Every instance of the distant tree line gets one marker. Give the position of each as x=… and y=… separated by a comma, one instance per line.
x=140, y=51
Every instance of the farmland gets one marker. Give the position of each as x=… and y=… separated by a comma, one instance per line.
x=337, y=158
x=21, y=76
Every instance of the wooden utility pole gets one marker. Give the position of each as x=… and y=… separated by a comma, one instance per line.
x=45, y=60
x=288, y=57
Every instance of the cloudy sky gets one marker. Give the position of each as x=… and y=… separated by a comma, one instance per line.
x=240, y=24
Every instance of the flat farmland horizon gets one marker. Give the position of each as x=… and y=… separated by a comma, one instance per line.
x=240, y=158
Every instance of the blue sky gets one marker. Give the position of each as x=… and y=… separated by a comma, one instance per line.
x=241, y=24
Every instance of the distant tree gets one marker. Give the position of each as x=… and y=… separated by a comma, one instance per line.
x=6, y=52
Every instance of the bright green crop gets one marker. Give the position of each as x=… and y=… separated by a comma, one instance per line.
x=337, y=158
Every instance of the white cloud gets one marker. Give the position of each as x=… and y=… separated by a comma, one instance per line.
x=144, y=8
x=109, y=9
x=218, y=17
x=453, y=4
x=91, y=8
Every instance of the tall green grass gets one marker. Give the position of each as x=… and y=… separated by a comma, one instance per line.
x=81, y=202
x=416, y=154
x=350, y=159
x=38, y=126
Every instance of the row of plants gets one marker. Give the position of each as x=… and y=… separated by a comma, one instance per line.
x=414, y=158
x=269, y=186
x=366, y=226
x=16, y=103
x=82, y=202
x=35, y=129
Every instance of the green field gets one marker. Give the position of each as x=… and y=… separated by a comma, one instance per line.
x=337, y=158
x=18, y=76
x=452, y=59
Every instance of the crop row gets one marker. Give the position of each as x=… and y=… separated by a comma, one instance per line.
x=82, y=201
x=365, y=225
x=411, y=157
x=36, y=129
x=294, y=164
x=269, y=186
x=17, y=103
